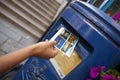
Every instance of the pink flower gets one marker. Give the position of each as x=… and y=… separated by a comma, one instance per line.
x=94, y=72
x=108, y=77
x=118, y=78
x=117, y=16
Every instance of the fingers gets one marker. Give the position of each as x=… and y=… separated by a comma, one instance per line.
x=55, y=50
x=49, y=49
x=52, y=43
x=54, y=53
x=53, y=46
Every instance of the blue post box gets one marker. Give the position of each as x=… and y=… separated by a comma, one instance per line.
x=94, y=40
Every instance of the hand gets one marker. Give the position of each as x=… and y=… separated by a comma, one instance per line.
x=45, y=50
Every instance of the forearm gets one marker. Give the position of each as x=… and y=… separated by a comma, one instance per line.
x=44, y=50
x=10, y=60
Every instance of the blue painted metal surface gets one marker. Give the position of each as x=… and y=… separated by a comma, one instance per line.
x=99, y=43
x=36, y=69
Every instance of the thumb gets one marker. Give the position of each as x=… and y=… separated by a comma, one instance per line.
x=55, y=50
x=52, y=43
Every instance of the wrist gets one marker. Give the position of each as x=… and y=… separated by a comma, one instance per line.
x=31, y=50
x=35, y=49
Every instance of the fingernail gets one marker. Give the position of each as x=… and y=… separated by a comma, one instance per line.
x=46, y=40
x=55, y=42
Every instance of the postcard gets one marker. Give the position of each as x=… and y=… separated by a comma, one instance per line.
x=67, y=58
x=65, y=41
